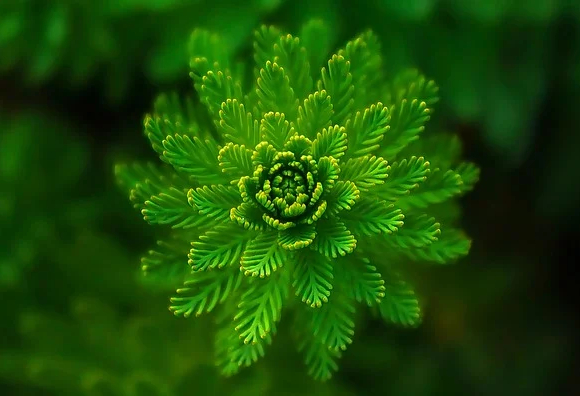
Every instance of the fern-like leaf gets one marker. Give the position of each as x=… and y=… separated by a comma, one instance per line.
x=333, y=322
x=400, y=305
x=404, y=176
x=217, y=248
x=330, y=142
x=366, y=130
x=333, y=239
x=260, y=307
x=214, y=201
x=291, y=55
x=237, y=125
x=408, y=119
x=315, y=114
x=370, y=217
x=193, y=156
x=365, y=172
x=263, y=255
x=171, y=207
x=236, y=161
x=337, y=82
x=313, y=278
x=274, y=91
x=203, y=291
x=275, y=129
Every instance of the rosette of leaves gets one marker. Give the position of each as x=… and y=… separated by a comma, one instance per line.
x=302, y=193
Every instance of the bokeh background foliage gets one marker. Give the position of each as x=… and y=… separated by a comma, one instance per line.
x=76, y=79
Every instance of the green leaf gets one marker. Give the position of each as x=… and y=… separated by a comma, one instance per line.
x=215, y=201
x=205, y=50
x=451, y=245
x=216, y=88
x=328, y=170
x=366, y=283
x=315, y=114
x=249, y=216
x=263, y=255
x=292, y=56
x=156, y=131
x=167, y=263
x=142, y=181
x=370, y=216
x=297, y=237
x=404, y=177
x=443, y=150
x=237, y=125
x=260, y=307
x=366, y=131
x=313, y=278
x=418, y=231
x=236, y=161
x=299, y=145
x=366, y=67
x=469, y=173
x=333, y=322
x=264, y=155
x=439, y=187
x=330, y=142
x=275, y=93
x=195, y=157
x=365, y=172
x=400, y=305
x=410, y=84
x=343, y=196
x=171, y=207
x=232, y=353
x=317, y=38
x=333, y=239
x=203, y=291
x=276, y=130
x=264, y=39
x=408, y=119
x=219, y=247
x=178, y=110
x=320, y=360
x=337, y=82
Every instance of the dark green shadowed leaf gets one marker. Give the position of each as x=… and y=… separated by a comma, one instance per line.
x=400, y=305
x=203, y=291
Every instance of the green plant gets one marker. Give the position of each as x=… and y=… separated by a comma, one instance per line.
x=322, y=190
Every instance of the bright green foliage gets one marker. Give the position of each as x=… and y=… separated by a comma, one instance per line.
x=302, y=199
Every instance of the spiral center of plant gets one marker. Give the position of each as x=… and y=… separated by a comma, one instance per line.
x=288, y=189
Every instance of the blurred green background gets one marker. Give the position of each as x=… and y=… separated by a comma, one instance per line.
x=76, y=317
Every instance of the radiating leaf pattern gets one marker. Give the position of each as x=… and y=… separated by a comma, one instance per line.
x=306, y=187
